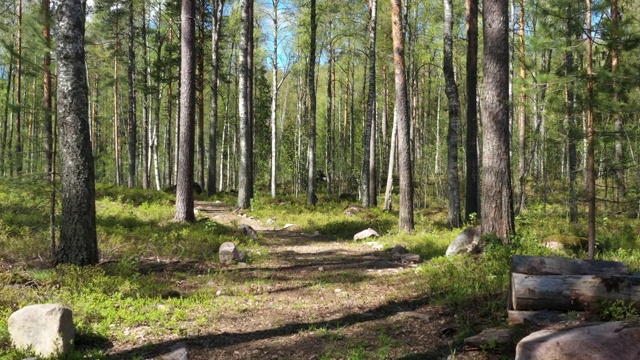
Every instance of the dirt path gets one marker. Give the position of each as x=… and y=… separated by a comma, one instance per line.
x=316, y=298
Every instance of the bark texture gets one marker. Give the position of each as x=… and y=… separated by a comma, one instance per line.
x=497, y=196
x=472, y=197
x=78, y=240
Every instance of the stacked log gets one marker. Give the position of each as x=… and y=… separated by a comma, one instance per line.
x=543, y=286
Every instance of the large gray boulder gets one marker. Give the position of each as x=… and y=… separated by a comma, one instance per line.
x=228, y=253
x=618, y=340
x=468, y=241
x=45, y=329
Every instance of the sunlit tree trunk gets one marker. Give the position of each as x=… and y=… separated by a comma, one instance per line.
x=590, y=171
x=274, y=101
x=522, y=115
x=388, y=194
x=18, y=150
x=472, y=197
x=615, y=61
x=497, y=198
x=78, y=239
x=402, y=108
x=185, y=173
x=368, y=176
x=146, y=110
x=132, y=127
x=200, y=92
x=244, y=103
x=216, y=26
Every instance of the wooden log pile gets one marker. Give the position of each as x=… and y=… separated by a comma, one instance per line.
x=542, y=287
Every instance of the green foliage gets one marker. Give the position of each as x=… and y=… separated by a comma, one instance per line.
x=618, y=310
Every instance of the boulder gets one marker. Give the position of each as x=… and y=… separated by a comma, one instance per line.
x=468, y=241
x=249, y=231
x=407, y=258
x=399, y=249
x=365, y=234
x=490, y=339
x=228, y=253
x=618, y=340
x=45, y=329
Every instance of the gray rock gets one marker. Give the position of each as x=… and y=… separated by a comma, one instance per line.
x=618, y=340
x=365, y=234
x=228, y=253
x=490, y=339
x=178, y=351
x=271, y=221
x=409, y=258
x=248, y=230
x=468, y=241
x=45, y=329
x=399, y=249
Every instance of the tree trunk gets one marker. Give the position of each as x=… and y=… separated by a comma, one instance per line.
x=615, y=61
x=274, y=101
x=18, y=154
x=402, y=108
x=522, y=116
x=244, y=103
x=131, y=78
x=590, y=176
x=78, y=239
x=48, y=123
x=388, y=194
x=184, y=175
x=451, y=89
x=116, y=120
x=368, y=186
x=200, y=92
x=146, y=111
x=473, y=176
x=216, y=27
x=312, y=198
x=497, y=198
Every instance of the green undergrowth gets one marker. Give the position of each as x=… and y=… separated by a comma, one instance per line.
x=159, y=277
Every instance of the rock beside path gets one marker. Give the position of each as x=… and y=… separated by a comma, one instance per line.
x=365, y=234
x=45, y=329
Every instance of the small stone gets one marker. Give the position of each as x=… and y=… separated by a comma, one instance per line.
x=338, y=290
x=271, y=221
x=249, y=231
x=409, y=258
x=365, y=234
x=399, y=249
x=228, y=253
x=178, y=351
x=489, y=338
x=219, y=292
x=286, y=226
x=321, y=268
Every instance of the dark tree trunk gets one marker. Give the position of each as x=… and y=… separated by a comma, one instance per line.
x=473, y=176
x=131, y=78
x=216, y=26
x=48, y=123
x=184, y=175
x=368, y=186
x=522, y=115
x=312, y=198
x=497, y=196
x=571, y=125
x=590, y=175
x=200, y=92
x=615, y=61
x=17, y=158
x=451, y=89
x=78, y=240
x=402, y=108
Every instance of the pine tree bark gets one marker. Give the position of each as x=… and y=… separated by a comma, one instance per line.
x=590, y=171
x=451, y=89
x=497, y=197
x=132, y=127
x=200, y=92
x=402, y=108
x=244, y=103
x=522, y=115
x=146, y=108
x=472, y=197
x=312, y=198
x=368, y=189
x=48, y=123
x=571, y=123
x=274, y=101
x=615, y=62
x=78, y=239
x=185, y=173
x=18, y=150
x=216, y=26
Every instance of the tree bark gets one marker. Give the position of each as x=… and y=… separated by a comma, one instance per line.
x=472, y=197
x=615, y=62
x=312, y=198
x=590, y=171
x=451, y=89
x=368, y=188
x=388, y=194
x=402, y=108
x=48, y=123
x=78, y=239
x=244, y=103
x=216, y=27
x=497, y=198
x=200, y=92
x=146, y=110
x=522, y=115
x=274, y=101
x=17, y=158
x=131, y=78
x=185, y=173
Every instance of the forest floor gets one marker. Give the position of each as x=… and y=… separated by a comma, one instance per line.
x=310, y=298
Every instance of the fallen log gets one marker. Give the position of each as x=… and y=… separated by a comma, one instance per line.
x=546, y=265
x=572, y=292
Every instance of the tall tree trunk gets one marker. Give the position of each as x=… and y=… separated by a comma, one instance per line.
x=451, y=89
x=184, y=176
x=48, y=123
x=78, y=239
x=368, y=178
x=522, y=116
x=471, y=145
x=329, y=152
x=200, y=92
x=18, y=154
x=274, y=101
x=497, y=198
x=402, y=108
x=591, y=180
x=251, y=102
x=131, y=78
x=571, y=124
x=116, y=120
x=244, y=103
x=615, y=61
x=388, y=194
x=146, y=110
x=216, y=27
x=312, y=198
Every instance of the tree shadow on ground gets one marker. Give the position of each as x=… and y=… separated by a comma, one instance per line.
x=214, y=341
